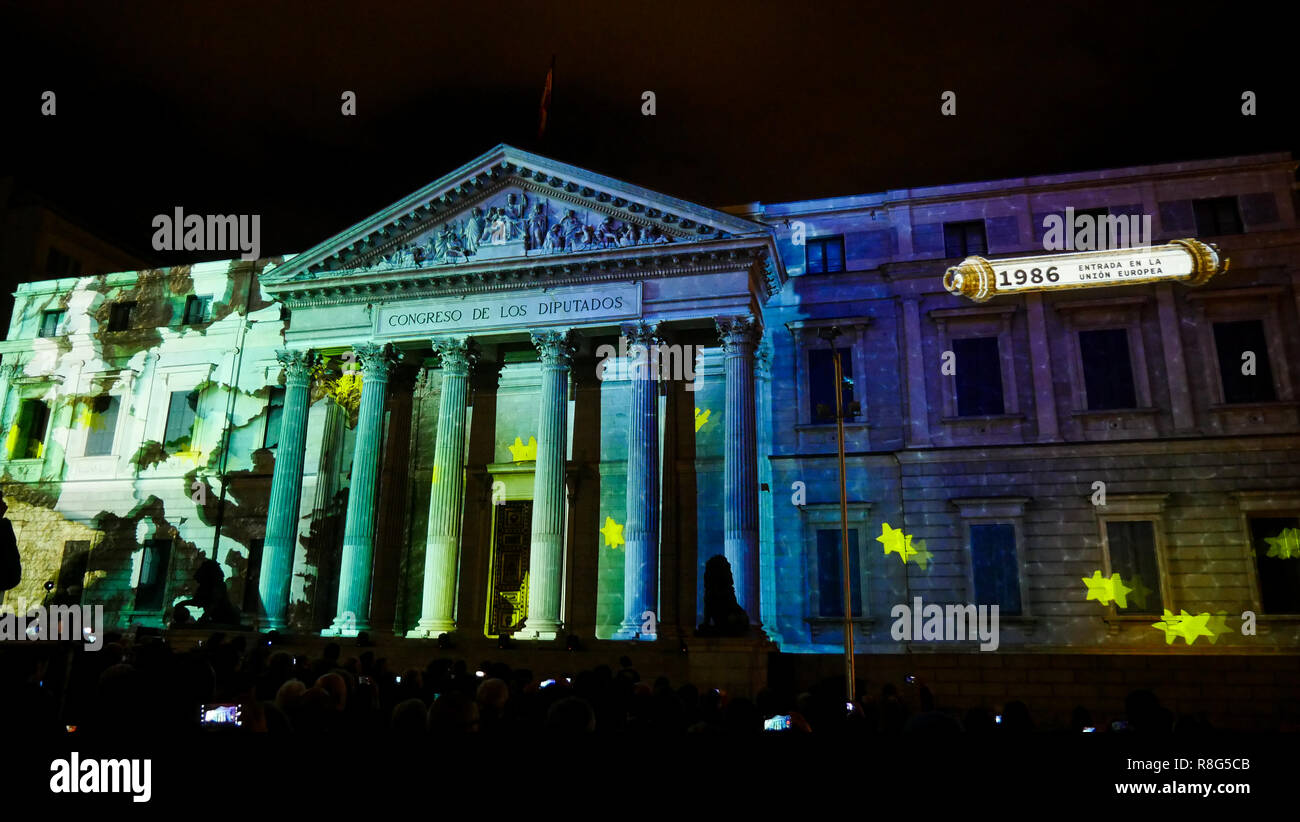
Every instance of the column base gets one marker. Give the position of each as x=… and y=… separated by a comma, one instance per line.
x=542, y=633
x=430, y=631
x=342, y=627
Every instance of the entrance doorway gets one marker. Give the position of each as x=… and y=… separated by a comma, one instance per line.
x=508, y=591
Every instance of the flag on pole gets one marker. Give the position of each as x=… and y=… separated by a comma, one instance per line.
x=546, y=100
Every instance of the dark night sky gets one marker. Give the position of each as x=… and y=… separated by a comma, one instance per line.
x=233, y=107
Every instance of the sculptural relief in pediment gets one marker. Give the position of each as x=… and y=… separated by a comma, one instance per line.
x=516, y=223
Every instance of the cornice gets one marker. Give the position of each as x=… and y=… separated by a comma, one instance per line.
x=550, y=271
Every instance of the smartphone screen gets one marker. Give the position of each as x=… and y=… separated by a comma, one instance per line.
x=211, y=716
x=777, y=723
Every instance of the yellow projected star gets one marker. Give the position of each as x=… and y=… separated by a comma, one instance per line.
x=1139, y=592
x=1285, y=545
x=1185, y=625
x=923, y=556
x=701, y=418
x=1104, y=590
x=1218, y=624
x=522, y=453
x=895, y=542
x=435, y=476
x=613, y=533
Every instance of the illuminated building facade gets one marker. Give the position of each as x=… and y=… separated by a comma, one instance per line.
x=436, y=420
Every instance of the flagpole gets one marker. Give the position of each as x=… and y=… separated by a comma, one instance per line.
x=830, y=335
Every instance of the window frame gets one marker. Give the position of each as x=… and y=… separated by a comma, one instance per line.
x=184, y=378
x=23, y=398
x=62, y=314
x=1232, y=305
x=823, y=242
x=164, y=576
x=1236, y=207
x=965, y=323
x=1136, y=508
x=806, y=338
x=117, y=428
x=997, y=511
x=852, y=388
x=205, y=315
x=965, y=224
x=1114, y=313
x=816, y=517
x=1282, y=503
x=114, y=313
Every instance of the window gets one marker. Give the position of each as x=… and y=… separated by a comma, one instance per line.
x=58, y=264
x=180, y=421
x=1132, y=549
x=274, y=416
x=830, y=579
x=29, y=437
x=821, y=382
x=1276, y=541
x=153, y=575
x=1217, y=216
x=964, y=239
x=102, y=425
x=978, y=377
x=995, y=567
x=1107, y=369
x=197, y=309
x=121, y=316
x=824, y=255
x=1233, y=341
x=50, y=322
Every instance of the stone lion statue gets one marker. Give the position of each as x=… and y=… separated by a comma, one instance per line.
x=723, y=616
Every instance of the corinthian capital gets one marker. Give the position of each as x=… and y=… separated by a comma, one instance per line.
x=739, y=334
x=457, y=354
x=376, y=361
x=297, y=365
x=641, y=333
x=554, y=347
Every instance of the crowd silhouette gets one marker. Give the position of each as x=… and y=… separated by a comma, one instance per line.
x=147, y=686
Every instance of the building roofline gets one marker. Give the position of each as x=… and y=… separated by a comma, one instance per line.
x=1024, y=185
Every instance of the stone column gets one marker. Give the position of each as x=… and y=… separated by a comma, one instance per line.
x=286, y=490
x=442, y=544
x=767, y=547
x=641, y=534
x=353, y=614
x=545, y=557
x=740, y=516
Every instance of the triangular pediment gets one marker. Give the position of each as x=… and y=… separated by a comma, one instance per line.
x=510, y=205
